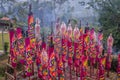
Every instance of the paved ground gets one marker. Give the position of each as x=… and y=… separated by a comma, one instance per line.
x=3, y=32
x=1, y=52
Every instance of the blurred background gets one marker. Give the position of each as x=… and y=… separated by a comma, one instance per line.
x=100, y=14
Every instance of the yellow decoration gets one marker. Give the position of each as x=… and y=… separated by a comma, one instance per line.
x=40, y=68
x=52, y=69
x=102, y=78
x=45, y=72
x=85, y=63
x=61, y=78
x=103, y=61
x=78, y=56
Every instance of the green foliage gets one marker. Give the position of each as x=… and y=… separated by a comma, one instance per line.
x=6, y=40
x=114, y=65
x=6, y=47
x=73, y=22
x=2, y=71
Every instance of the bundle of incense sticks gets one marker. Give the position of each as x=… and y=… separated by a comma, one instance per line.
x=72, y=48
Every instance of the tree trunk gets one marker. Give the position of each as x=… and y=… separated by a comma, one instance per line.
x=3, y=41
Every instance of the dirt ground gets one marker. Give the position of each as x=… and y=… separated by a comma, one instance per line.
x=4, y=59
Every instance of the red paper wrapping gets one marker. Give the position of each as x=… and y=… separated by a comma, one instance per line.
x=61, y=75
x=93, y=59
x=70, y=53
x=93, y=55
x=76, y=54
x=64, y=49
x=38, y=60
x=86, y=43
x=44, y=62
x=80, y=43
x=50, y=51
x=109, y=51
x=12, y=38
x=13, y=48
x=13, y=59
x=57, y=42
x=63, y=42
x=101, y=68
x=33, y=43
x=19, y=33
x=28, y=58
x=108, y=61
x=38, y=53
x=52, y=66
x=84, y=67
x=40, y=75
x=21, y=44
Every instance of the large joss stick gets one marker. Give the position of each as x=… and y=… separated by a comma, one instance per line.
x=44, y=48
x=85, y=51
x=64, y=44
x=13, y=50
x=39, y=43
x=31, y=35
x=76, y=34
x=100, y=44
x=81, y=47
x=29, y=61
x=101, y=68
x=83, y=68
x=44, y=62
x=57, y=42
x=109, y=52
x=31, y=31
x=13, y=55
x=20, y=41
x=118, y=68
x=92, y=51
x=38, y=49
x=52, y=61
x=70, y=48
x=21, y=44
x=81, y=40
x=52, y=67
x=99, y=55
x=37, y=29
x=61, y=75
x=30, y=17
x=38, y=61
x=86, y=41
